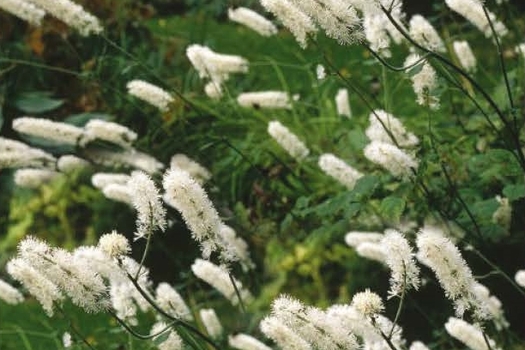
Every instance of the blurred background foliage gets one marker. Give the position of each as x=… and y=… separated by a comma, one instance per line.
x=293, y=216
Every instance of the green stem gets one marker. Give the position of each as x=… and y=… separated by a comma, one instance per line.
x=400, y=306
x=383, y=335
x=237, y=292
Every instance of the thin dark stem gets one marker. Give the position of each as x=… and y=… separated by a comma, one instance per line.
x=138, y=335
x=400, y=305
x=40, y=65
x=515, y=136
x=394, y=68
x=497, y=269
x=362, y=98
x=503, y=68
x=461, y=201
x=237, y=292
x=168, y=316
x=148, y=240
x=148, y=69
x=75, y=330
x=484, y=335
x=383, y=335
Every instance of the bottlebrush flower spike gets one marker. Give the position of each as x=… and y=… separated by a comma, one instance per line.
x=146, y=199
x=339, y=170
x=252, y=20
x=24, y=10
x=150, y=93
x=292, y=18
x=443, y=257
x=289, y=141
x=219, y=279
x=72, y=14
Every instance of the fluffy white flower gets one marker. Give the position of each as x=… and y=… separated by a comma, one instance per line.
x=266, y=99
x=234, y=247
x=372, y=251
x=189, y=198
x=320, y=72
x=252, y=20
x=72, y=14
x=520, y=278
x=45, y=291
x=342, y=104
x=337, y=17
x=312, y=324
x=393, y=159
x=23, y=10
x=503, y=215
x=424, y=81
x=68, y=163
x=114, y=244
x=292, y=18
x=119, y=193
x=355, y=238
x=400, y=260
x=468, y=334
x=34, y=178
x=417, y=345
x=213, y=90
x=285, y=337
x=10, y=294
x=473, y=12
x=197, y=171
x=242, y=341
x=493, y=306
x=172, y=342
x=101, y=180
x=171, y=302
x=58, y=132
x=465, y=55
x=376, y=33
x=129, y=158
x=368, y=303
x=14, y=154
x=219, y=279
x=289, y=141
x=214, y=66
x=379, y=120
x=443, y=257
x=150, y=93
x=146, y=199
x=422, y=32
x=211, y=323
x=110, y=132
x=339, y=170
x=66, y=340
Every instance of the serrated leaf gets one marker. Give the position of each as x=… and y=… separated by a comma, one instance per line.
x=82, y=119
x=391, y=208
x=514, y=192
x=37, y=102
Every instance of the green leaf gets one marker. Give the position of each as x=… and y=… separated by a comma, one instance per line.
x=83, y=118
x=514, y=192
x=496, y=164
x=37, y=102
x=392, y=207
